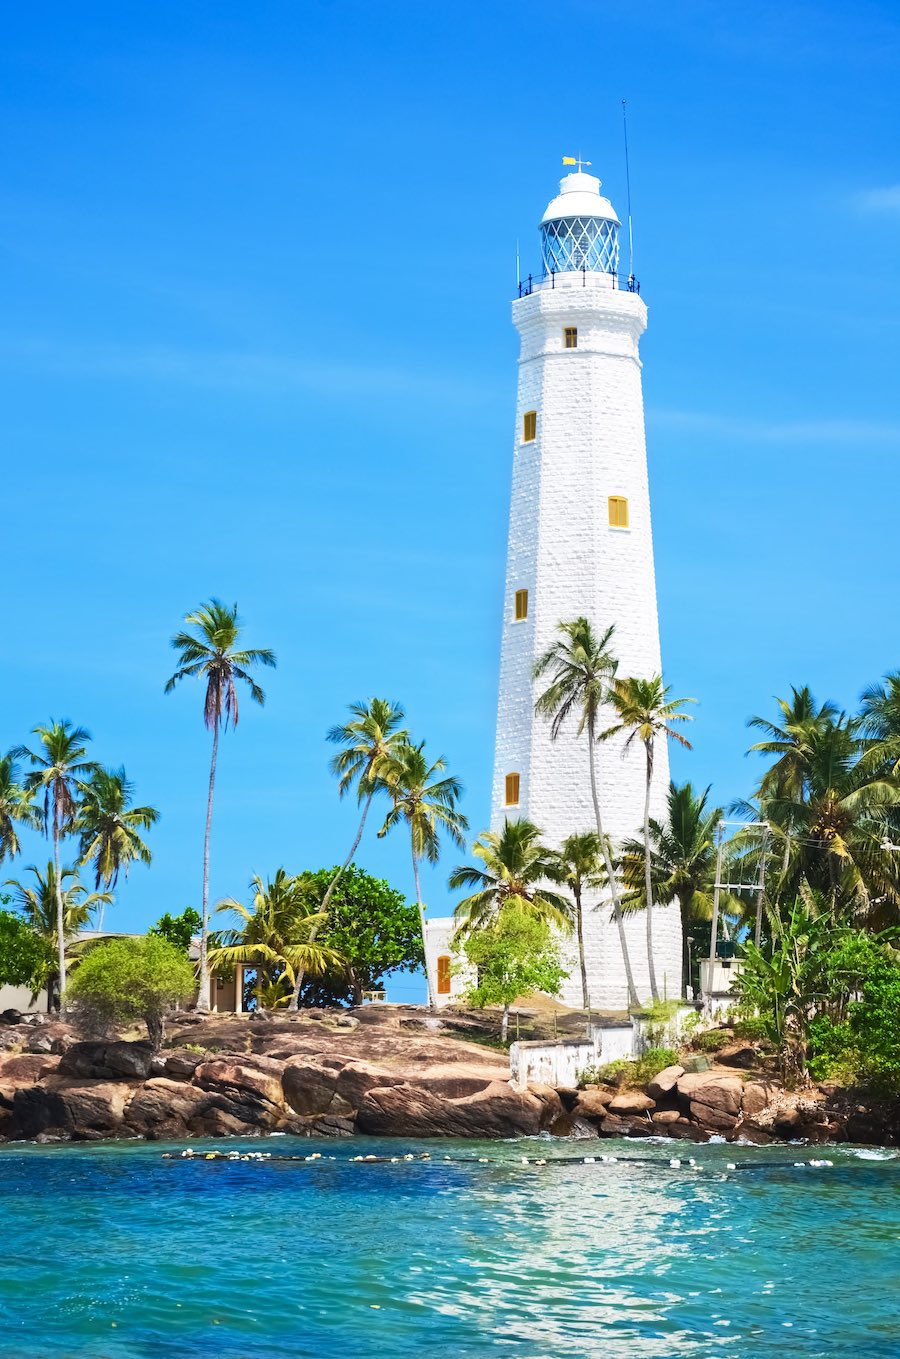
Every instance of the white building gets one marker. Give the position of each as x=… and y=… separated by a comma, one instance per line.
x=580, y=543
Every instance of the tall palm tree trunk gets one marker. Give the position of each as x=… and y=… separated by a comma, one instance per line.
x=613, y=886
x=60, y=920
x=326, y=900
x=579, y=928
x=203, y=994
x=415, y=863
x=648, y=875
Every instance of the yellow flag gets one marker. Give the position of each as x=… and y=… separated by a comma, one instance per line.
x=569, y=160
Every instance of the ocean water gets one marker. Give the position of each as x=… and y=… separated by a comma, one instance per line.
x=113, y=1252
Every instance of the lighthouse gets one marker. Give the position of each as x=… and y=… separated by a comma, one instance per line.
x=580, y=544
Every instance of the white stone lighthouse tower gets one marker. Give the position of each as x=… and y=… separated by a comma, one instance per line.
x=580, y=544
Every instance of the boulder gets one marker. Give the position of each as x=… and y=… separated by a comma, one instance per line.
x=743, y=1055
x=11, y=1016
x=695, y=1064
x=756, y=1096
x=662, y=1117
x=631, y=1102
x=752, y=1132
x=181, y=1065
x=686, y=1130
x=664, y=1082
x=249, y=1081
x=43, y=1043
x=25, y=1068
x=165, y=1108
x=593, y=1102
x=616, y=1125
x=70, y=1109
x=577, y=1129
x=712, y=1088
x=107, y=1061
x=498, y=1111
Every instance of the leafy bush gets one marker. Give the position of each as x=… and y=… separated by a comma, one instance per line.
x=23, y=953
x=713, y=1040
x=832, y=1053
x=628, y=1071
x=121, y=980
x=751, y=1029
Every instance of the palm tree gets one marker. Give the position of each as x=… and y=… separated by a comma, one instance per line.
x=644, y=710
x=880, y=709
x=425, y=798
x=369, y=739
x=60, y=765
x=582, y=668
x=277, y=937
x=16, y=807
x=108, y=826
x=578, y=864
x=39, y=905
x=682, y=860
x=515, y=865
x=211, y=652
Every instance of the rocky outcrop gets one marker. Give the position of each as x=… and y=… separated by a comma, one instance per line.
x=497, y=1111
x=107, y=1061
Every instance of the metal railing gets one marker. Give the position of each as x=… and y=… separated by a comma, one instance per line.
x=536, y=282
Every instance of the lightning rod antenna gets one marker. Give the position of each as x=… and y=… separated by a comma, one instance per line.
x=628, y=193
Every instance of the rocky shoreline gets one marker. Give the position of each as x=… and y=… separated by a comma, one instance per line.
x=384, y=1071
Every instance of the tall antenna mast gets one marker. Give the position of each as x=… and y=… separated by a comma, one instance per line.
x=628, y=191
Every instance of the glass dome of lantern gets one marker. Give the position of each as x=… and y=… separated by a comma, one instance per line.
x=580, y=229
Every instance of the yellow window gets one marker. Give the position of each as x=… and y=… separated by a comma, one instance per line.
x=529, y=427
x=512, y=790
x=570, y=336
x=444, y=975
x=521, y=605
x=618, y=511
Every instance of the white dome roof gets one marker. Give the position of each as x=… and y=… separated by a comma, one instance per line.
x=579, y=196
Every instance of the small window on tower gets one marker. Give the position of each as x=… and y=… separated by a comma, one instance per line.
x=521, y=605
x=512, y=790
x=618, y=511
x=529, y=427
x=571, y=337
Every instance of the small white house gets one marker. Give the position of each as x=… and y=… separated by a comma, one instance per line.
x=450, y=977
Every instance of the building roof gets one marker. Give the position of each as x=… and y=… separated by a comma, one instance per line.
x=579, y=196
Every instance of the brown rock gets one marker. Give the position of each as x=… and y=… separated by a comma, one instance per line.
x=756, y=1096
x=742, y=1055
x=312, y=1086
x=107, y=1061
x=25, y=1068
x=498, y=1111
x=615, y=1125
x=578, y=1129
x=250, y=1081
x=712, y=1088
x=687, y=1131
x=709, y=1117
x=631, y=1102
x=180, y=1066
x=165, y=1108
x=592, y=1103
x=663, y=1116
x=752, y=1132
x=94, y=1109
x=664, y=1082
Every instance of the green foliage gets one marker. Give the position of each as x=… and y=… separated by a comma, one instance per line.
x=122, y=980
x=370, y=925
x=875, y=1025
x=513, y=956
x=751, y=1029
x=178, y=929
x=24, y=955
x=628, y=1071
x=658, y=1019
x=713, y=1040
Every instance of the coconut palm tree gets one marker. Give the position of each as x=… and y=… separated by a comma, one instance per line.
x=682, y=860
x=515, y=867
x=39, y=904
x=582, y=667
x=276, y=938
x=425, y=797
x=880, y=709
x=578, y=865
x=109, y=826
x=60, y=765
x=370, y=738
x=644, y=711
x=16, y=808
x=210, y=652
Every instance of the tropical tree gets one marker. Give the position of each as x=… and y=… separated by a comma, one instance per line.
x=582, y=667
x=60, y=766
x=39, y=905
x=178, y=929
x=210, y=651
x=515, y=866
x=643, y=712
x=276, y=937
x=121, y=980
x=578, y=865
x=788, y=738
x=371, y=737
x=109, y=826
x=424, y=796
x=682, y=860
x=16, y=807
x=513, y=955
x=880, y=709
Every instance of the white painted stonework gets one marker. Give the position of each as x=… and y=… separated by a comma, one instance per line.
x=590, y=445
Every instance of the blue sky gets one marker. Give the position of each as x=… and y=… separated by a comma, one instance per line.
x=255, y=342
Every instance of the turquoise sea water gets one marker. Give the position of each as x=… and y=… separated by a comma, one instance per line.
x=111, y=1251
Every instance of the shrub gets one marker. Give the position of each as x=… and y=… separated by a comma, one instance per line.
x=24, y=955
x=713, y=1040
x=629, y=1071
x=121, y=980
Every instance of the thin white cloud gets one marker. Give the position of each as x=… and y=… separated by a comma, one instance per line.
x=884, y=201
x=819, y=431
x=247, y=372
